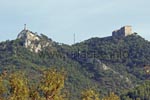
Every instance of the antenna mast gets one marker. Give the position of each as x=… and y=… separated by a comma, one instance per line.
x=74, y=37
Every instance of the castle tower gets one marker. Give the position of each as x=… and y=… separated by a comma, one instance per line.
x=126, y=30
x=123, y=31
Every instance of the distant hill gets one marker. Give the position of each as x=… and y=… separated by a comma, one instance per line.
x=107, y=64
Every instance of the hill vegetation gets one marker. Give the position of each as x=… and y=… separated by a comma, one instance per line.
x=110, y=66
x=16, y=86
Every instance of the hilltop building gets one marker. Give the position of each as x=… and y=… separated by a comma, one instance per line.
x=123, y=31
x=34, y=42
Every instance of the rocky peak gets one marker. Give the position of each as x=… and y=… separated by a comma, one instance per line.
x=33, y=41
x=26, y=34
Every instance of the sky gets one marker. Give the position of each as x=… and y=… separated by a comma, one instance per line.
x=61, y=19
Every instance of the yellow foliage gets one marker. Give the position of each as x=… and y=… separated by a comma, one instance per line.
x=90, y=95
x=19, y=87
x=34, y=94
x=2, y=88
x=111, y=96
x=52, y=83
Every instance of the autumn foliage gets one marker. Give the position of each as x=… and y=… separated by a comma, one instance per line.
x=16, y=86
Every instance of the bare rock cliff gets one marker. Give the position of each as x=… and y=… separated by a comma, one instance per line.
x=34, y=42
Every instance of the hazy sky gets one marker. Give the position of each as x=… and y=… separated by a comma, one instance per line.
x=60, y=19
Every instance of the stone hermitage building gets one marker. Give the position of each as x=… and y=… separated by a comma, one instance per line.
x=123, y=31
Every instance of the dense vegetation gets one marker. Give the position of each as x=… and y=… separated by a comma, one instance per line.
x=141, y=92
x=105, y=64
x=16, y=86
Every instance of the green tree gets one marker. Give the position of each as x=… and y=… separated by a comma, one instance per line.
x=89, y=94
x=18, y=87
x=111, y=96
x=52, y=83
x=141, y=92
x=3, y=88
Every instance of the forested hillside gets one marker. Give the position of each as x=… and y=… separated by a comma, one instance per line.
x=106, y=65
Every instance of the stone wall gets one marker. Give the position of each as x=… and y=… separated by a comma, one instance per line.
x=122, y=32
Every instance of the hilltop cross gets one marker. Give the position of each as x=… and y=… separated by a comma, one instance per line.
x=25, y=28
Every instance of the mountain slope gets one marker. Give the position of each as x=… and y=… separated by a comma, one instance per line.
x=17, y=55
x=107, y=64
x=132, y=51
x=126, y=56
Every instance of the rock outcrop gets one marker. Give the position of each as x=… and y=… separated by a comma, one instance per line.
x=34, y=42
